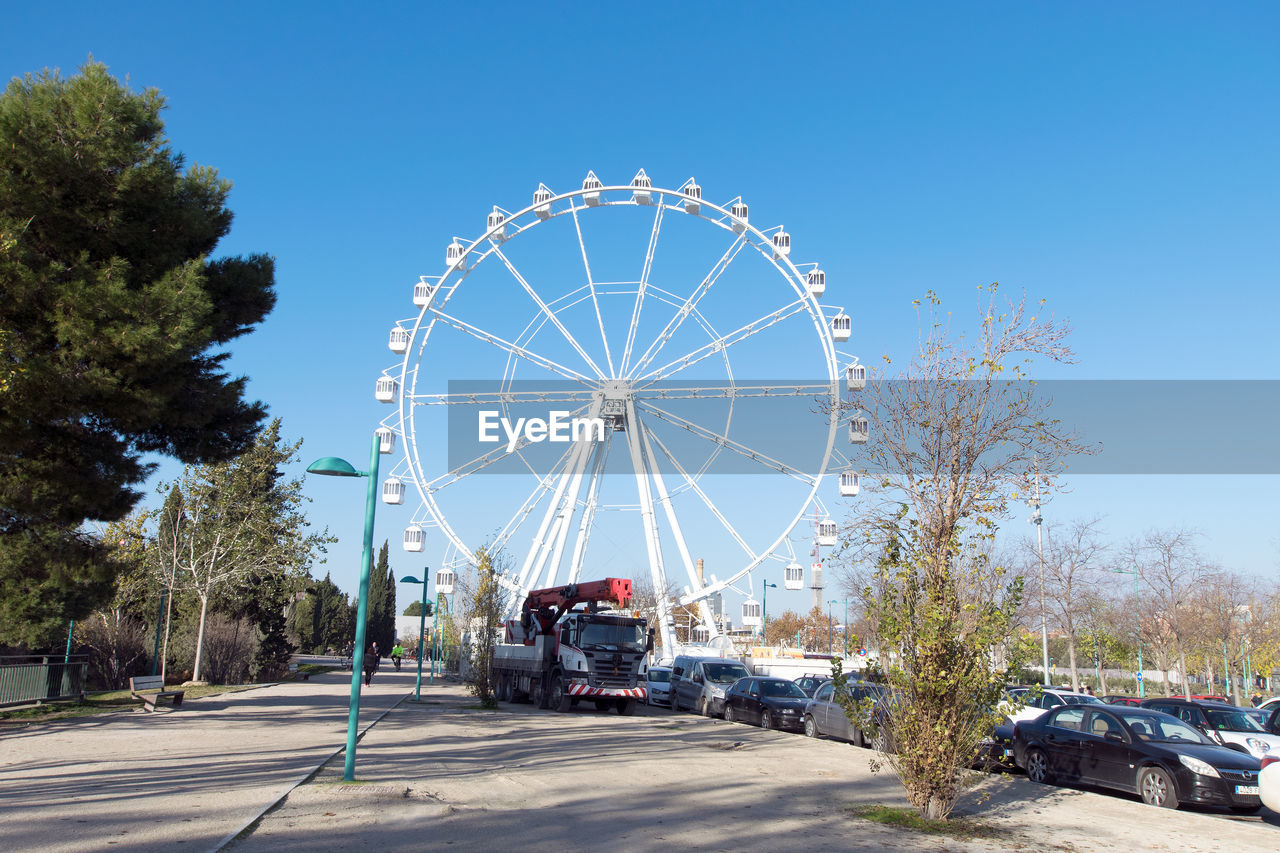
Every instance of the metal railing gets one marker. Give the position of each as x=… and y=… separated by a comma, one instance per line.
x=37, y=678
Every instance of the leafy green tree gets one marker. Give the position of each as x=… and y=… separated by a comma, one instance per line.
x=415, y=609
x=240, y=533
x=487, y=607
x=381, y=627
x=112, y=331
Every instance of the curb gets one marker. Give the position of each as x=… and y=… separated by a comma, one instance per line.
x=304, y=778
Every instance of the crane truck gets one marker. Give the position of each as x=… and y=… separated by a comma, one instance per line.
x=557, y=655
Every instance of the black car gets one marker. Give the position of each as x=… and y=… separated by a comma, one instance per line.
x=1222, y=723
x=772, y=703
x=1155, y=755
x=810, y=683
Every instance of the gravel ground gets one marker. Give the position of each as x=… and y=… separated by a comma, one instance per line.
x=445, y=774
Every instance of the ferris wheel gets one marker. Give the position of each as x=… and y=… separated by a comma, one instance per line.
x=621, y=380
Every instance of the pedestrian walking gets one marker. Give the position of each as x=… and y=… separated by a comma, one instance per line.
x=397, y=652
x=371, y=660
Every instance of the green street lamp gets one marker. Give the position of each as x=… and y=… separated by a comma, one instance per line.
x=764, y=612
x=1142, y=684
x=332, y=466
x=830, y=628
x=422, y=628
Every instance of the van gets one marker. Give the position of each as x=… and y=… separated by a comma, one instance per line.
x=699, y=684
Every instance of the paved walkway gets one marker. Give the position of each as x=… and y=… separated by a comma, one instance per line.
x=143, y=782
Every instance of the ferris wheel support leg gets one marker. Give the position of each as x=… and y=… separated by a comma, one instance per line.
x=537, y=546
x=588, y=515
x=664, y=497
x=648, y=518
x=581, y=457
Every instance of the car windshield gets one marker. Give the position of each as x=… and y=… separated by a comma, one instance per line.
x=660, y=675
x=783, y=689
x=724, y=673
x=613, y=636
x=1163, y=728
x=1231, y=721
x=1079, y=699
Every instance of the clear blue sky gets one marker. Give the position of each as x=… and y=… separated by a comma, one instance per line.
x=1117, y=159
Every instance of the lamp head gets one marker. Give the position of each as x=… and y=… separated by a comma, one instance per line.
x=410, y=579
x=332, y=466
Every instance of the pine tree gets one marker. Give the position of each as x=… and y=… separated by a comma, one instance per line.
x=379, y=605
x=112, y=331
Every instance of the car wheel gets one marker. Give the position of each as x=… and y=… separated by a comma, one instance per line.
x=881, y=742
x=766, y=719
x=1038, y=766
x=729, y=715
x=675, y=702
x=1156, y=788
x=810, y=726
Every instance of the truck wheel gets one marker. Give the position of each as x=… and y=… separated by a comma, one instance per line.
x=626, y=707
x=502, y=692
x=557, y=699
x=537, y=695
x=602, y=705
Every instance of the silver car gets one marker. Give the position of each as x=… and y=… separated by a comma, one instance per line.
x=658, y=684
x=824, y=716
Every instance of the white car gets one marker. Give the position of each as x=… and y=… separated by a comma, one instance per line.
x=1048, y=699
x=1269, y=782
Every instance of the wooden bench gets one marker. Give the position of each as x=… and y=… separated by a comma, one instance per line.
x=153, y=682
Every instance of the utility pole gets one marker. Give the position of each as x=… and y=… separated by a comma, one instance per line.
x=1037, y=520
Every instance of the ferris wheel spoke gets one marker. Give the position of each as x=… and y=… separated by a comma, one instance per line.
x=546, y=310
x=595, y=298
x=491, y=398
x=697, y=490
x=511, y=348
x=690, y=304
x=587, y=522
x=732, y=390
x=737, y=447
x=483, y=461
x=723, y=342
x=640, y=290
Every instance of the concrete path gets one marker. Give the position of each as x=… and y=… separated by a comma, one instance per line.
x=149, y=782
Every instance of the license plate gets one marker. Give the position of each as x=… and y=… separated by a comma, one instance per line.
x=1008, y=753
x=1251, y=790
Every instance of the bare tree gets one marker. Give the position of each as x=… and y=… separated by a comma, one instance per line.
x=1172, y=569
x=954, y=438
x=1074, y=557
x=1222, y=613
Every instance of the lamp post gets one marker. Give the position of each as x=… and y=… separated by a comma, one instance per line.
x=332, y=466
x=845, y=632
x=1142, y=685
x=1038, y=521
x=764, y=612
x=422, y=628
x=830, y=628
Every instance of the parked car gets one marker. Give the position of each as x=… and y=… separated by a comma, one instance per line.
x=1270, y=704
x=772, y=703
x=1048, y=699
x=1224, y=724
x=700, y=683
x=995, y=752
x=658, y=685
x=1133, y=701
x=1269, y=782
x=810, y=683
x=1155, y=755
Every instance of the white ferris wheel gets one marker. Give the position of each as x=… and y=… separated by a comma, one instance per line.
x=658, y=380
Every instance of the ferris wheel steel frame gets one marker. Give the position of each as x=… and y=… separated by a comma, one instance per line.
x=627, y=378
